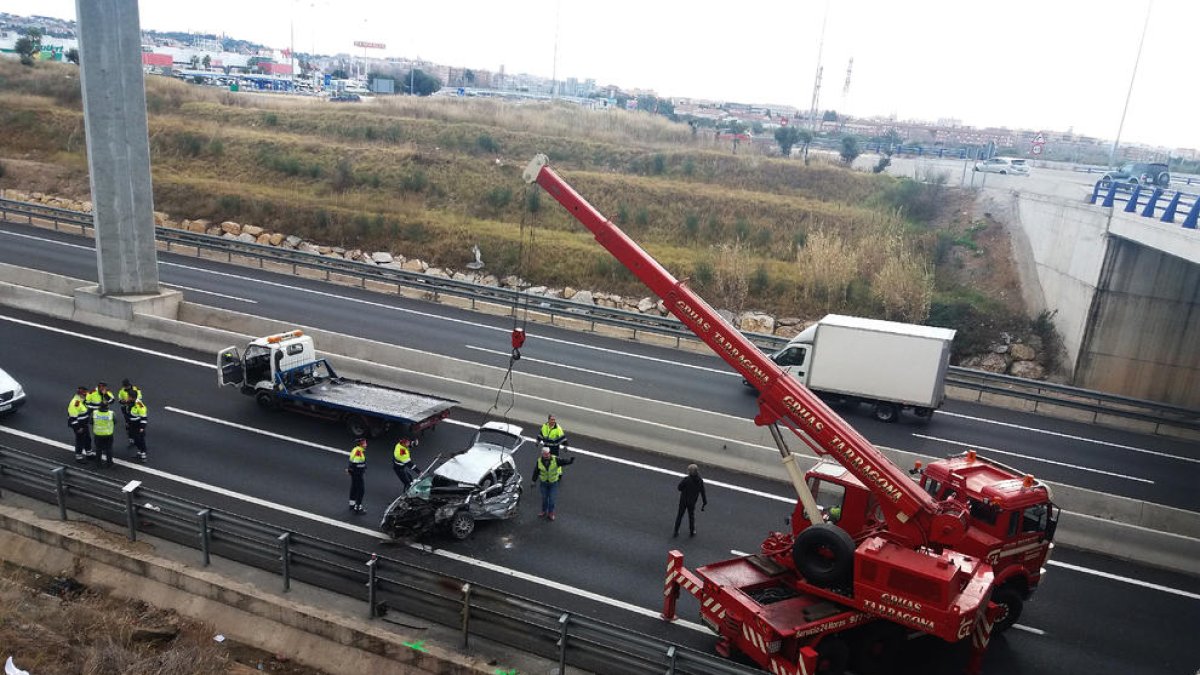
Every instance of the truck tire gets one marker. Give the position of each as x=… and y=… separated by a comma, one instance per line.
x=886, y=412
x=833, y=655
x=461, y=525
x=1010, y=599
x=874, y=648
x=923, y=413
x=266, y=400
x=824, y=555
x=358, y=426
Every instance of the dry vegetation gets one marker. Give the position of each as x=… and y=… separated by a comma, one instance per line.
x=52, y=626
x=428, y=177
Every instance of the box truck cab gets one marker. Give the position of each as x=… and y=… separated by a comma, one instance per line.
x=889, y=365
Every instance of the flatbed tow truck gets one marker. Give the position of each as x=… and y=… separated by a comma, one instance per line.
x=950, y=550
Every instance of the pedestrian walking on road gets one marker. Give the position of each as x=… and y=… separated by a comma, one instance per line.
x=402, y=462
x=552, y=436
x=547, y=473
x=135, y=426
x=356, y=469
x=78, y=418
x=691, y=488
x=103, y=427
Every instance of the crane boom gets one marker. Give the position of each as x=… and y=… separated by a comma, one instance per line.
x=914, y=517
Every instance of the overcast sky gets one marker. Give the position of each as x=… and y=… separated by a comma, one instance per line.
x=1044, y=64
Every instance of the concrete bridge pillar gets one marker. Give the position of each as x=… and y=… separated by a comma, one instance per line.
x=114, y=111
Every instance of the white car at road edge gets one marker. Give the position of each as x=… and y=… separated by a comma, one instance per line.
x=1003, y=165
x=12, y=396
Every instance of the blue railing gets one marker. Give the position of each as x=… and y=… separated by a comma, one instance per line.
x=1158, y=203
x=1183, y=180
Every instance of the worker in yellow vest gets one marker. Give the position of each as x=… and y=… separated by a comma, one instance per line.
x=552, y=436
x=78, y=417
x=103, y=427
x=127, y=395
x=402, y=462
x=99, y=395
x=547, y=473
x=135, y=426
x=356, y=469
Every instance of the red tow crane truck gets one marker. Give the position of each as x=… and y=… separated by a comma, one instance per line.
x=874, y=553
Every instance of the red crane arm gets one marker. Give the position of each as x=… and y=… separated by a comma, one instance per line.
x=909, y=509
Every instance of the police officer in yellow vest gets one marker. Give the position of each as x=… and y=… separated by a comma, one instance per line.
x=99, y=395
x=552, y=436
x=356, y=469
x=402, y=461
x=103, y=426
x=78, y=417
x=547, y=473
x=127, y=395
x=135, y=425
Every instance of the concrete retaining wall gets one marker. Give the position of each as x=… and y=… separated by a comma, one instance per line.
x=687, y=434
x=310, y=626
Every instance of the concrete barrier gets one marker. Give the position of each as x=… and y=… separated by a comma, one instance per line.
x=314, y=627
x=687, y=434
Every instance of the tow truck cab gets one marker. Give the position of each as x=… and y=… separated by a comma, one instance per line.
x=264, y=359
x=1013, y=517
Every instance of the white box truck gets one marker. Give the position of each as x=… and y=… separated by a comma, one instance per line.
x=888, y=365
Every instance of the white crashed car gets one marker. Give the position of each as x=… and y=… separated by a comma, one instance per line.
x=478, y=483
x=12, y=396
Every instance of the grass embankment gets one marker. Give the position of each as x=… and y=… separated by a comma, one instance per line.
x=429, y=177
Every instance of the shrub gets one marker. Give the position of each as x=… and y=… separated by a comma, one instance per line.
x=703, y=274
x=414, y=182
x=691, y=226
x=486, y=143
x=499, y=197
x=660, y=164
x=760, y=281
x=689, y=167
x=271, y=119
x=342, y=178
x=643, y=217
x=216, y=147
x=2, y=169
x=533, y=200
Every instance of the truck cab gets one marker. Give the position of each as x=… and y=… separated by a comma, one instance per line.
x=265, y=359
x=1012, y=517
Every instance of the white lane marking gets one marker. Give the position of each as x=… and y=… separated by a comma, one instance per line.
x=677, y=364
x=1031, y=458
x=110, y=343
x=1029, y=629
x=219, y=295
x=458, y=557
x=48, y=241
x=260, y=432
x=405, y=310
x=1125, y=580
x=551, y=363
x=737, y=553
x=1047, y=432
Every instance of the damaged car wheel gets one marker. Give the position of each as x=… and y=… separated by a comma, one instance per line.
x=462, y=525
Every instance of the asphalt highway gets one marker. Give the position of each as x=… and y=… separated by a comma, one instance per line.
x=1139, y=466
x=603, y=557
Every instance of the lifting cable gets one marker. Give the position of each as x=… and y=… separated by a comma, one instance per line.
x=520, y=311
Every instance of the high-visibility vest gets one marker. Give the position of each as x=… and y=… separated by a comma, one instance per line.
x=401, y=455
x=358, y=456
x=138, y=413
x=102, y=422
x=95, y=398
x=549, y=473
x=552, y=433
x=128, y=396
x=76, y=410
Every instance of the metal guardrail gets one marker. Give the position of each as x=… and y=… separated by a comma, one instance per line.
x=1157, y=202
x=382, y=583
x=1038, y=392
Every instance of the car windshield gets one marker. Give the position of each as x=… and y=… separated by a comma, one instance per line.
x=420, y=488
x=497, y=439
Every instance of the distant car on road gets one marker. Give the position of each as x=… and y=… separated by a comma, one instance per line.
x=345, y=98
x=1003, y=165
x=12, y=396
x=1138, y=173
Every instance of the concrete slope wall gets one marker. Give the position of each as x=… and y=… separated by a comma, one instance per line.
x=1067, y=241
x=1144, y=336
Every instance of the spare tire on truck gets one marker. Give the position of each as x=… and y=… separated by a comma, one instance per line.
x=824, y=555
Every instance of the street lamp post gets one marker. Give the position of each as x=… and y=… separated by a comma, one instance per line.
x=1112, y=159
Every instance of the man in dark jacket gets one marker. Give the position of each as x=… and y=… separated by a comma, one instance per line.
x=690, y=488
